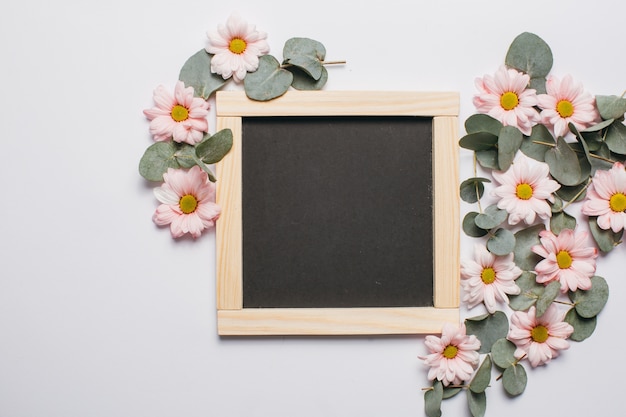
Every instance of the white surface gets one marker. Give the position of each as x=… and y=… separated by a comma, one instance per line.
x=103, y=314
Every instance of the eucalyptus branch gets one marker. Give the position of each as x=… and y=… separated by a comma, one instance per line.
x=517, y=360
x=578, y=194
x=552, y=145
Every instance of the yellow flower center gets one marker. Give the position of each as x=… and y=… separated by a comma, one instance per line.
x=180, y=113
x=617, y=202
x=237, y=46
x=450, y=352
x=539, y=334
x=524, y=191
x=509, y=100
x=488, y=275
x=188, y=204
x=564, y=259
x=565, y=108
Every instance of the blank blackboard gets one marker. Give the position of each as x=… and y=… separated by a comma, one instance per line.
x=339, y=214
x=338, y=211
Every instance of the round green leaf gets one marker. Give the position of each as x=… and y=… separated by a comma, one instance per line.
x=196, y=73
x=303, y=81
x=563, y=163
x=530, y=54
x=583, y=328
x=502, y=242
x=616, y=138
x=432, y=400
x=477, y=403
x=449, y=392
x=268, y=81
x=469, y=225
x=481, y=379
x=533, y=146
x=488, y=159
x=472, y=189
x=213, y=148
x=530, y=291
x=606, y=240
x=492, y=217
x=538, y=84
x=552, y=290
x=589, y=303
x=157, y=159
x=525, y=239
x=479, y=122
x=480, y=141
x=611, y=107
x=572, y=194
x=488, y=328
x=306, y=54
x=514, y=380
x=560, y=221
x=503, y=353
x=509, y=141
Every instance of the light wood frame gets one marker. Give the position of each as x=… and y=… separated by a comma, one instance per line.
x=234, y=319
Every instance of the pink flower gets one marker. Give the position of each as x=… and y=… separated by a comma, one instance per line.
x=539, y=338
x=237, y=47
x=505, y=97
x=453, y=357
x=187, y=198
x=524, y=189
x=568, y=259
x=488, y=278
x=181, y=116
x=566, y=102
x=606, y=198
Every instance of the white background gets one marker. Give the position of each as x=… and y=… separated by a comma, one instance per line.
x=103, y=314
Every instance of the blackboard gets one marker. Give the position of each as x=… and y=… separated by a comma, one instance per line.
x=340, y=214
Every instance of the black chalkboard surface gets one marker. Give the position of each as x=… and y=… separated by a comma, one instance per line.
x=338, y=211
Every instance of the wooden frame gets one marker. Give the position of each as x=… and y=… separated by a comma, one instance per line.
x=234, y=319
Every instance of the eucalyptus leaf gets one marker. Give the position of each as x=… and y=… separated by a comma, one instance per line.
x=530, y=291
x=480, y=141
x=589, y=303
x=530, y=54
x=538, y=143
x=560, y=221
x=509, y=142
x=552, y=290
x=205, y=168
x=606, y=240
x=488, y=328
x=525, y=239
x=488, y=158
x=432, y=400
x=449, y=392
x=557, y=205
x=482, y=377
x=583, y=144
x=213, y=148
x=563, y=163
x=616, y=138
x=157, y=159
x=303, y=81
x=469, y=225
x=514, y=380
x=477, y=403
x=611, y=107
x=502, y=242
x=572, y=194
x=598, y=126
x=472, y=189
x=196, y=73
x=479, y=122
x=306, y=54
x=503, y=353
x=268, y=81
x=186, y=156
x=538, y=84
x=492, y=217
x=583, y=327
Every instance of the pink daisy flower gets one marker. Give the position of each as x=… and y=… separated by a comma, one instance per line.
x=187, y=198
x=567, y=102
x=524, y=189
x=237, y=47
x=505, y=97
x=606, y=198
x=568, y=259
x=453, y=357
x=539, y=338
x=181, y=117
x=488, y=278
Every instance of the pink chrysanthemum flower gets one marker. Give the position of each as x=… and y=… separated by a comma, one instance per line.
x=453, y=357
x=606, y=198
x=488, y=278
x=505, y=97
x=568, y=259
x=187, y=198
x=539, y=338
x=181, y=117
x=524, y=189
x=237, y=47
x=566, y=102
